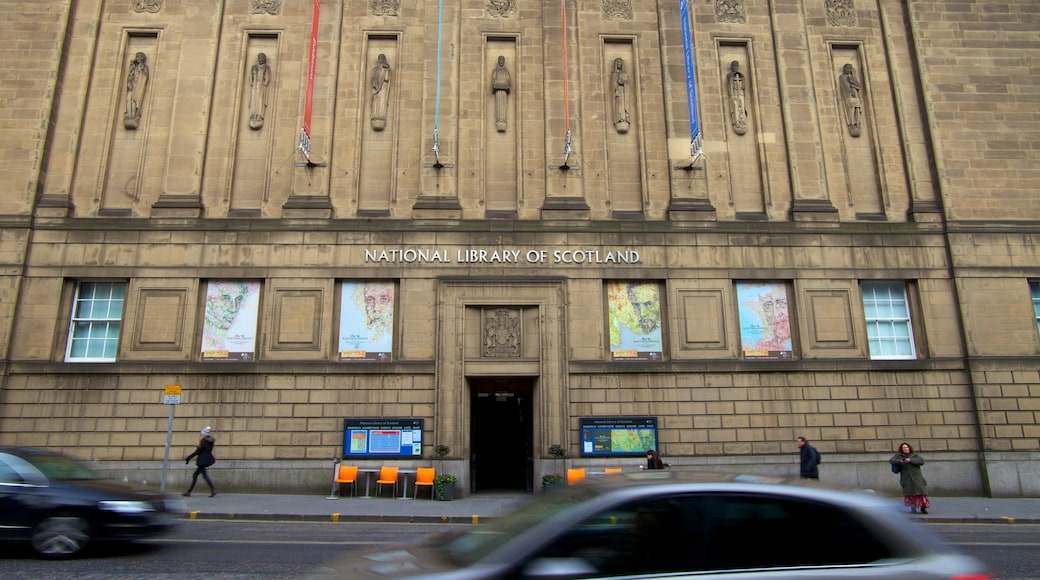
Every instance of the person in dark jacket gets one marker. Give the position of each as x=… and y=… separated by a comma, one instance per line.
x=204, y=454
x=915, y=488
x=809, y=462
x=653, y=460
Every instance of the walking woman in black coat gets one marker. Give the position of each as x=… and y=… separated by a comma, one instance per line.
x=204, y=454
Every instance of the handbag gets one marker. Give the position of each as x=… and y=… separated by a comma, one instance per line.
x=895, y=468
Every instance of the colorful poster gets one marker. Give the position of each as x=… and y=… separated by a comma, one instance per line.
x=366, y=321
x=229, y=332
x=765, y=323
x=617, y=436
x=634, y=318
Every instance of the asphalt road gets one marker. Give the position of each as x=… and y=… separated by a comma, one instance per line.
x=232, y=550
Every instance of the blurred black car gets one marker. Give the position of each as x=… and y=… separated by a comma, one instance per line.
x=60, y=505
x=669, y=524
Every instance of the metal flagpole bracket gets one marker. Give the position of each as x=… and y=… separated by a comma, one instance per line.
x=437, y=154
x=304, y=147
x=567, y=150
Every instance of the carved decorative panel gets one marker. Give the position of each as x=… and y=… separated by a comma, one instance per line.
x=501, y=333
x=841, y=12
x=730, y=11
x=617, y=9
x=150, y=6
x=385, y=7
x=501, y=8
x=272, y=7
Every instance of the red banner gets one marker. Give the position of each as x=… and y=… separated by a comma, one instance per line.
x=311, y=63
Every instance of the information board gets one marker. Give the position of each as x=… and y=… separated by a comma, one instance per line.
x=382, y=438
x=617, y=436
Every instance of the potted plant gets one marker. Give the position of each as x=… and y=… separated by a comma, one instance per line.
x=444, y=487
x=551, y=480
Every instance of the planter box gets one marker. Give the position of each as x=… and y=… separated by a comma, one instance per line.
x=446, y=492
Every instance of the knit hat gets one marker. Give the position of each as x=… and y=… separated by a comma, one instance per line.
x=205, y=431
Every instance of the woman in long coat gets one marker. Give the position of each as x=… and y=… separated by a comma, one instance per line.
x=915, y=487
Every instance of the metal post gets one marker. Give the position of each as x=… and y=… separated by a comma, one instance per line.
x=334, y=494
x=166, y=454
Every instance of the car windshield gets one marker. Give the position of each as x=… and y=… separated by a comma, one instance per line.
x=472, y=546
x=59, y=467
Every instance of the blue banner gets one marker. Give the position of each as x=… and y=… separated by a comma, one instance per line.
x=691, y=78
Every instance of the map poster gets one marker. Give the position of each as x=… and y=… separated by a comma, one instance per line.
x=366, y=321
x=634, y=318
x=617, y=436
x=765, y=322
x=229, y=331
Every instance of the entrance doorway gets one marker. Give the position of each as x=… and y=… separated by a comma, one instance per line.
x=500, y=433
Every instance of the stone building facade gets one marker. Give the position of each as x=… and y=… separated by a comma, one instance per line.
x=849, y=257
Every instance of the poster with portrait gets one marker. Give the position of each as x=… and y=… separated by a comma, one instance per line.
x=634, y=318
x=229, y=331
x=366, y=321
x=765, y=323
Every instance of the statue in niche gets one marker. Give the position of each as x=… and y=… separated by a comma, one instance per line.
x=380, y=92
x=259, y=79
x=619, y=83
x=735, y=88
x=136, y=83
x=852, y=101
x=501, y=84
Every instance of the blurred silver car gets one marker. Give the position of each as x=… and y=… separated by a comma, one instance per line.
x=674, y=525
x=60, y=505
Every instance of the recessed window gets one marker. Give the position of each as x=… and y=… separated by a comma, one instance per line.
x=96, y=315
x=890, y=334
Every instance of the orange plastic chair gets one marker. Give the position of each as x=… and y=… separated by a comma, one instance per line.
x=423, y=477
x=610, y=470
x=575, y=475
x=347, y=474
x=387, y=476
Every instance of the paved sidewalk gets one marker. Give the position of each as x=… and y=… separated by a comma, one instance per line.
x=480, y=506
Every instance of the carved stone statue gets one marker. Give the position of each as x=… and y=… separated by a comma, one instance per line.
x=501, y=84
x=619, y=83
x=380, y=92
x=259, y=79
x=850, y=89
x=735, y=88
x=136, y=83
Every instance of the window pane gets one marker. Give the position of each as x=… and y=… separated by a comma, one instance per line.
x=1034, y=289
x=887, y=313
x=94, y=328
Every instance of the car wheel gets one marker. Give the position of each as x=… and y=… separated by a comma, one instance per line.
x=61, y=536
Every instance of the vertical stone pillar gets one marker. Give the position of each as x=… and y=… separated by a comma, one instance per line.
x=810, y=201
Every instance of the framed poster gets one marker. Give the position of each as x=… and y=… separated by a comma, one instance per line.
x=376, y=438
x=634, y=318
x=765, y=322
x=229, y=330
x=617, y=436
x=366, y=321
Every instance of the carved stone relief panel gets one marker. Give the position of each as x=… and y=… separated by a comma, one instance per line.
x=501, y=8
x=841, y=12
x=384, y=7
x=730, y=11
x=272, y=7
x=150, y=6
x=501, y=333
x=617, y=9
